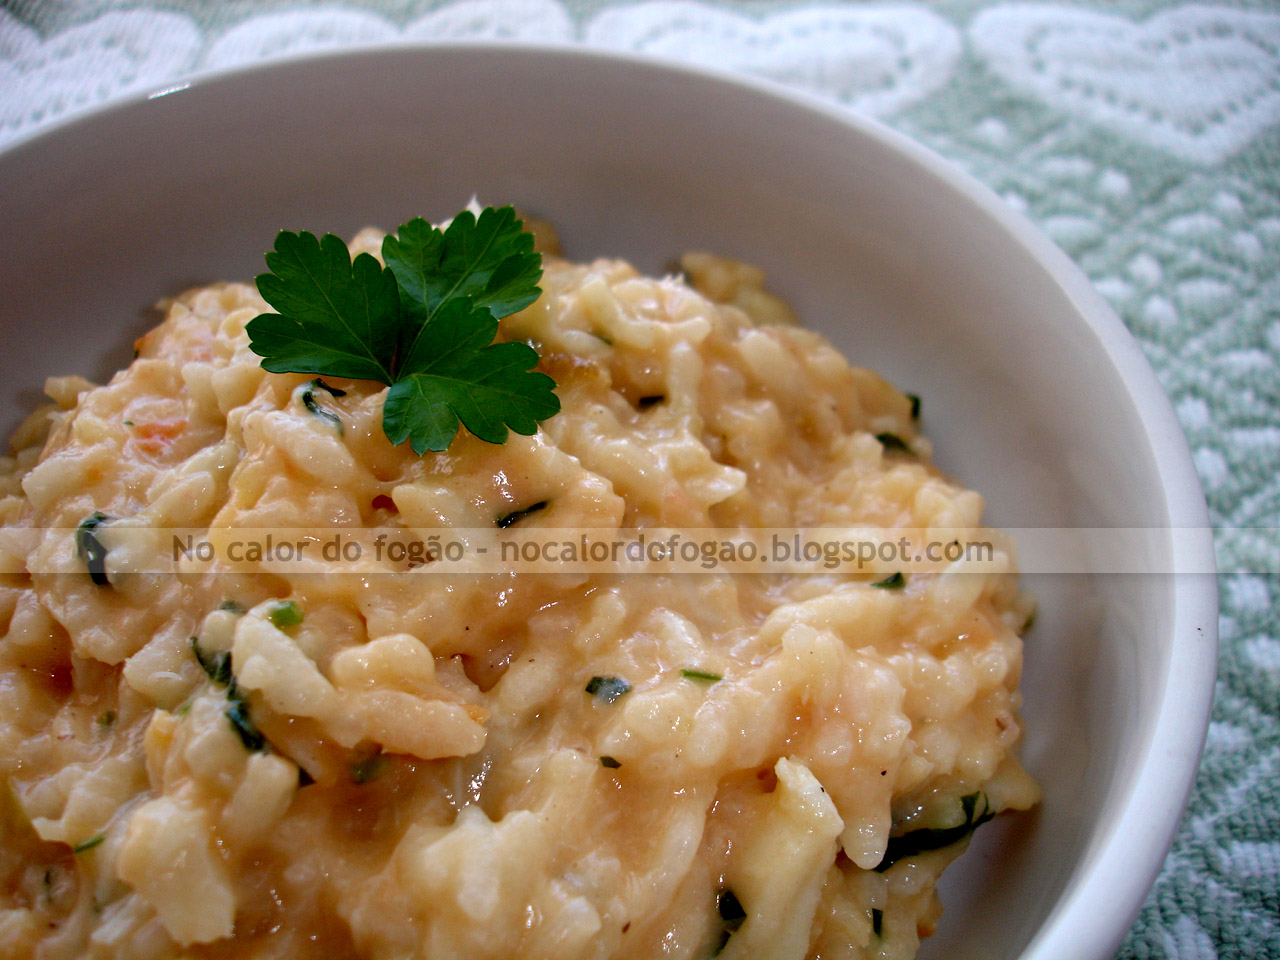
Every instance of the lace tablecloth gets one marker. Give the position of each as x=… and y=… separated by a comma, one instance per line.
x=1142, y=136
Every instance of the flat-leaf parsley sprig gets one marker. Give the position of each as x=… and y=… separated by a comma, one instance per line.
x=423, y=324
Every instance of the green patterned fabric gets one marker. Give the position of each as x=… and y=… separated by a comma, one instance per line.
x=1144, y=137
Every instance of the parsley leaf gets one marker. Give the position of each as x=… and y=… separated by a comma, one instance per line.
x=337, y=316
x=489, y=261
x=423, y=325
x=453, y=371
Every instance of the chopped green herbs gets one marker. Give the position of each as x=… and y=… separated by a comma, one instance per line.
x=607, y=689
x=90, y=549
x=370, y=768
x=89, y=844
x=893, y=443
x=218, y=668
x=238, y=714
x=308, y=397
x=515, y=516
x=128, y=423
x=915, y=405
x=318, y=384
x=107, y=719
x=610, y=763
x=731, y=916
x=423, y=324
x=894, y=582
x=701, y=676
x=284, y=614
x=921, y=841
x=230, y=606
x=877, y=921
x=216, y=665
x=241, y=722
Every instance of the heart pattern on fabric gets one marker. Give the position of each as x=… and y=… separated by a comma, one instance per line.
x=875, y=59
x=275, y=35
x=1198, y=82
x=543, y=21
x=293, y=32
x=124, y=52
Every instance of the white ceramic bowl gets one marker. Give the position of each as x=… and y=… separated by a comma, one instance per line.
x=1034, y=392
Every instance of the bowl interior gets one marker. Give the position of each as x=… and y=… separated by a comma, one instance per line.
x=874, y=246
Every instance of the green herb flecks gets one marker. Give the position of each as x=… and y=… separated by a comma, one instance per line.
x=230, y=606
x=894, y=443
x=701, y=676
x=90, y=549
x=89, y=844
x=921, y=841
x=284, y=614
x=895, y=581
x=107, y=719
x=308, y=397
x=515, y=516
x=607, y=689
x=217, y=666
x=241, y=721
x=424, y=324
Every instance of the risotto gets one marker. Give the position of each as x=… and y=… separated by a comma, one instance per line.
x=393, y=762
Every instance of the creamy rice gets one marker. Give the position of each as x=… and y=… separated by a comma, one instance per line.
x=433, y=779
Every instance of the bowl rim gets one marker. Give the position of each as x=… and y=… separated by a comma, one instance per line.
x=1100, y=903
